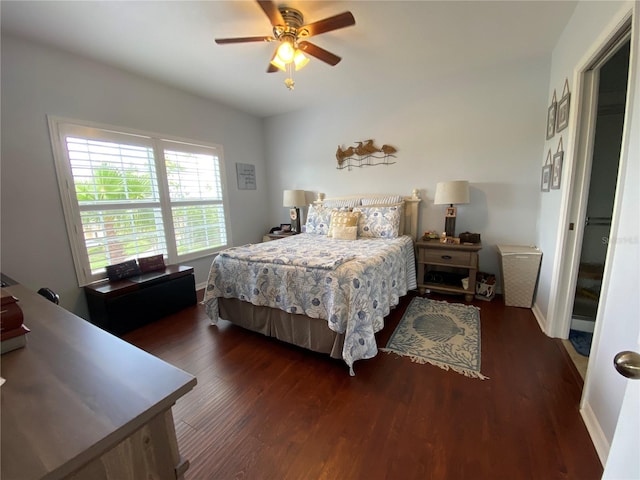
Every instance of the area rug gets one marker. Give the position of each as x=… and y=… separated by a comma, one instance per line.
x=581, y=341
x=443, y=334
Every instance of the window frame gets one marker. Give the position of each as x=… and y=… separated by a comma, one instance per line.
x=59, y=129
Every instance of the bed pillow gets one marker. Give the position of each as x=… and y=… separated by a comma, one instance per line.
x=380, y=221
x=401, y=206
x=342, y=219
x=390, y=200
x=345, y=233
x=318, y=219
x=347, y=203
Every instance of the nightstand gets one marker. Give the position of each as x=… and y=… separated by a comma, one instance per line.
x=275, y=236
x=439, y=261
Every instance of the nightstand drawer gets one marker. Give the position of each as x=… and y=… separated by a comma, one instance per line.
x=444, y=257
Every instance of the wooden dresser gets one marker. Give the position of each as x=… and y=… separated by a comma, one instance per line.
x=80, y=403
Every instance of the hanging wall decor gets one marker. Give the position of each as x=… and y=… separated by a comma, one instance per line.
x=551, y=117
x=556, y=170
x=562, y=117
x=546, y=173
x=364, y=154
x=246, y=173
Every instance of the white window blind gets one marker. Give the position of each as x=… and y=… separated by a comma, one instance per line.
x=130, y=195
x=195, y=191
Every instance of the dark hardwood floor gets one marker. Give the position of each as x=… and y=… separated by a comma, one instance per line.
x=265, y=410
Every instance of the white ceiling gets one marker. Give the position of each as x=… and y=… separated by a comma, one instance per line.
x=392, y=42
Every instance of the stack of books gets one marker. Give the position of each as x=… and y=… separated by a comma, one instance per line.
x=12, y=330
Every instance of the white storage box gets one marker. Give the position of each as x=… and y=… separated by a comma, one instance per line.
x=519, y=266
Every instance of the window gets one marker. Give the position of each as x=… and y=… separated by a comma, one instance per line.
x=129, y=195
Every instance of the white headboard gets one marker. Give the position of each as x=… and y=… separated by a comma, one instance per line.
x=410, y=208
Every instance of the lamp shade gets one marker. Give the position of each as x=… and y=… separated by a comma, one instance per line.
x=453, y=192
x=294, y=198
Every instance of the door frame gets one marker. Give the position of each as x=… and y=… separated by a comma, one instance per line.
x=575, y=201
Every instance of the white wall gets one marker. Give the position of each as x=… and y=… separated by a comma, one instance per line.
x=591, y=25
x=37, y=81
x=487, y=126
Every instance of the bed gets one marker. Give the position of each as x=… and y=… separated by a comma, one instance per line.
x=327, y=289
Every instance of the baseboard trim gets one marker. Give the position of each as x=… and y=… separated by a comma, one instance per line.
x=598, y=437
x=540, y=318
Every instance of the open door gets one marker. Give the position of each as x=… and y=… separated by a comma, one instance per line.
x=609, y=403
x=610, y=74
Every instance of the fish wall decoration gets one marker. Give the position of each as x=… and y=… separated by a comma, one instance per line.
x=364, y=154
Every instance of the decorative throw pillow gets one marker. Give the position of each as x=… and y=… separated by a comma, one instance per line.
x=123, y=270
x=379, y=222
x=345, y=233
x=343, y=219
x=151, y=264
x=318, y=220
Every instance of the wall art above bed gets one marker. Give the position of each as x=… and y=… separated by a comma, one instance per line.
x=364, y=154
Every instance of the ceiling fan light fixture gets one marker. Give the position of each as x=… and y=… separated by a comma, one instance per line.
x=286, y=52
x=290, y=55
x=291, y=32
x=276, y=62
x=300, y=59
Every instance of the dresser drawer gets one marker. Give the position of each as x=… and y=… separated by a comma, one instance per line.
x=444, y=257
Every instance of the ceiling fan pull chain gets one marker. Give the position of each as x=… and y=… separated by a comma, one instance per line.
x=289, y=82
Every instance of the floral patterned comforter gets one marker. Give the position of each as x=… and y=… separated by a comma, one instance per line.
x=327, y=255
x=353, y=284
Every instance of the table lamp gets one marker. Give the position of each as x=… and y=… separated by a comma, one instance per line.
x=294, y=199
x=450, y=193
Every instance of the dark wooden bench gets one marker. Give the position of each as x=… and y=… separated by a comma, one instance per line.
x=123, y=305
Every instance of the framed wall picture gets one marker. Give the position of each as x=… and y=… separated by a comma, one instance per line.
x=551, y=117
x=556, y=170
x=246, y=173
x=546, y=178
x=451, y=212
x=562, y=119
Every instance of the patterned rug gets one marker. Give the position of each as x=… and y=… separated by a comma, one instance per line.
x=443, y=334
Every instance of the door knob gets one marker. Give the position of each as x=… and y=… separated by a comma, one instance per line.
x=628, y=364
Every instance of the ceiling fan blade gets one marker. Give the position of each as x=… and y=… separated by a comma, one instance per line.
x=328, y=24
x=223, y=41
x=271, y=10
x=319, y=53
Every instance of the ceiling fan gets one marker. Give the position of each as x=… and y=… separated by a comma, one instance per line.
x=289, y=29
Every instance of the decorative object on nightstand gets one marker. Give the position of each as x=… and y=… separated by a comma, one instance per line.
x=294, y=199
x=468, y=237
x=451, y=193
